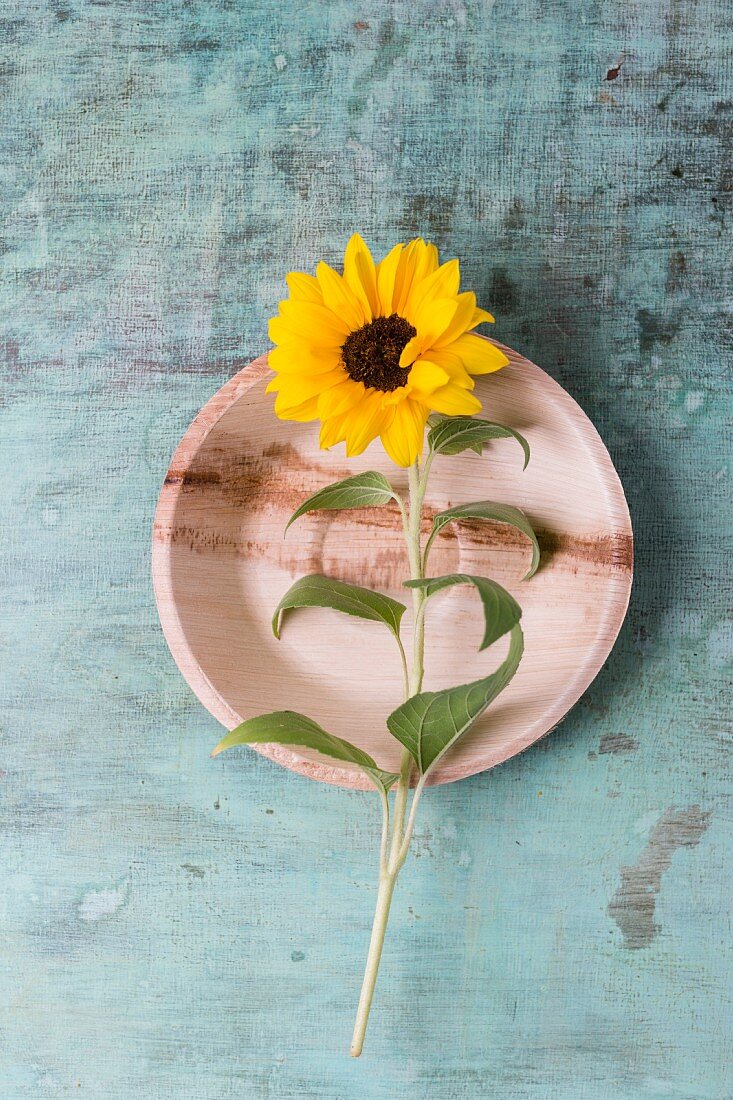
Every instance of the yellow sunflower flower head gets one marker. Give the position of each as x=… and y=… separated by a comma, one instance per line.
x=374, y=351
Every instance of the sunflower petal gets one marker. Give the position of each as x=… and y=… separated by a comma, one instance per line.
x=366, y=422
x=478, y=355
x=307, y=410
x=340, y=398
x=359, y=442
x=426, y=376
x=411, y=351
x=480, y=316
x=431, y=321
x=432, y=260
x=403, y=438
x=386, y=274
x=304, y=286
x=404, y=274
x=286, y=402
x=462, y=319
x=297, y=359
x=451, y=400
x=453, y=366
x=286, y=331
x=339, y=297
x=394, y=397
x=298, y=388
x=333, y=431
x=443, y=283
x=310, y=318
x=417, y=261
x=360, y=274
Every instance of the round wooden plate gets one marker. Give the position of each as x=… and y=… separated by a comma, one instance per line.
x=221, y=563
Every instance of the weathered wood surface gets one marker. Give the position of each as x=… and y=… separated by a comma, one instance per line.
x=176, y=927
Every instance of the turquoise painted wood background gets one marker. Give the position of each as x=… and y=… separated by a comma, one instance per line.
x=177, y=927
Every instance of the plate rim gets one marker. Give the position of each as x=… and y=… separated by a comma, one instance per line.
x=173, y=631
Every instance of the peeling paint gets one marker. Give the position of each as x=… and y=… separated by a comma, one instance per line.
x=617, y=744
x=633, y=905
x=97, y=904
x=193, y=870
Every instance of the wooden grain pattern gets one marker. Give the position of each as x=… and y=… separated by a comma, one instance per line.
x=176, y=928
x=220, y=564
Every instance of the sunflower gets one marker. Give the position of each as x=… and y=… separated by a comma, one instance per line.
x=374, y=351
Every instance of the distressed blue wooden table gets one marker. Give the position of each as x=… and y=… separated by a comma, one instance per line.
x=177, y=928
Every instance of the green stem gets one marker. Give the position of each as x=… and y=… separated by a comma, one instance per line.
x=407, y=837
x=385, y=831
x=400, y=806
x=394, y=851
x=379, y=927
x=405, y=671
x=418, y=485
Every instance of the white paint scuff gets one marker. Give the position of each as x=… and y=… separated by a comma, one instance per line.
x=96, y=904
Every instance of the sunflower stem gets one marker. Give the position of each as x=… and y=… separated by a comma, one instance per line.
x=379, y=927
x=396, y=842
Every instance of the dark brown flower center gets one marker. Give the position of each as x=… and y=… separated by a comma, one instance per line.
x=372, y=353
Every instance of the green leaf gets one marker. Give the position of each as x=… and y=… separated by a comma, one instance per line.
x=450, y=435
x=361, y=491
x=381, y=780
x=501, y=611
x=287, y=727
x=318, y=591
x=431, y=722
x=488, y=509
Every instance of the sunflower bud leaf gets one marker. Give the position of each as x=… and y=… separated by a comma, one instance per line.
x=490, y=510
x=501, y=610
x=287, y=727
x=449, y=435
x=361, y=491
x=432, y=722
x=316, y=590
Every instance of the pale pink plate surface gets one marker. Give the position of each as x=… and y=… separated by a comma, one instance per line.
x=220, y=565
